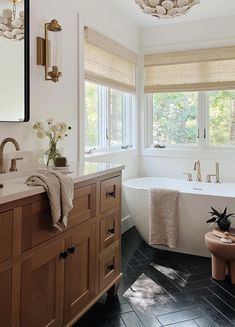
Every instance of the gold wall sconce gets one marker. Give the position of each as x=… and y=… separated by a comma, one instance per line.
x=49, y=51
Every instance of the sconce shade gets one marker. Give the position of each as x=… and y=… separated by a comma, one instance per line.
x=49, y=51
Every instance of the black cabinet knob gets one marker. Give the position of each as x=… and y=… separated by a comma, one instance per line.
x=111, y=231
x=110, y=194
x=63, y=255
x=71, y=250
x=111, y=267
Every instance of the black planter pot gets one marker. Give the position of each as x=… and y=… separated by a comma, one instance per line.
x=224, y=225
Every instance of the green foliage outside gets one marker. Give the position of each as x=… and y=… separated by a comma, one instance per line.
x=222, y=117
x=91, y=128
x=175, y=117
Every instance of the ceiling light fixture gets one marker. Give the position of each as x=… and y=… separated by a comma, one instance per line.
x=166, y=8
x=12, y=27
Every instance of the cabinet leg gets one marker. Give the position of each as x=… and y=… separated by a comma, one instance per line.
x=112, y=292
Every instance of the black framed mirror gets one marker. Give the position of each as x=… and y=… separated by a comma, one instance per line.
x=14, y=60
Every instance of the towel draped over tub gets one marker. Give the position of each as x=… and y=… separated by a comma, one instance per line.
x=163, y=217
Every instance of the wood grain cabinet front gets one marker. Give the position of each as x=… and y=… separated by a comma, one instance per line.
x=42, y=288
x=109, y=230
x=84, y=205
x=79, y=271
x=110, y=194
x=5, y=298
x=37, y=221
x=6, y=236
x=109, y=266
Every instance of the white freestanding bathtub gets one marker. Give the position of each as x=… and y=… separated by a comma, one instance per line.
x=195, y=200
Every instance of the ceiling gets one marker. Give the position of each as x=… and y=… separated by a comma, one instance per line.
x=206, y=9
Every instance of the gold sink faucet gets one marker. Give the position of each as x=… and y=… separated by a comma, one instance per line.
x=13, y=161
x=197, y=168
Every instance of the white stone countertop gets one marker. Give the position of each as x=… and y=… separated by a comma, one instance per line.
x=14, y=187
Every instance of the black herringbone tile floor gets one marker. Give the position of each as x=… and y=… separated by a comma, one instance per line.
x=186, y=295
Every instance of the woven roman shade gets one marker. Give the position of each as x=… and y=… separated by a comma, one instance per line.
x=208, y=69
x=108, y=63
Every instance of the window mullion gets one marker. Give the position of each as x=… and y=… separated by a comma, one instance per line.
x=108, y=119
x=202, y=119
x=149, y=120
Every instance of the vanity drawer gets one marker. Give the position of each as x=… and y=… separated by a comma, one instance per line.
x=110, y=192
x=109, y=230
x=36, y=224
x=6, y=235
x=37, y=221
x=84, y=205
x=109, y=267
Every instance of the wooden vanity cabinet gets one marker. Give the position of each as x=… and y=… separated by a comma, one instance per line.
x=79, y=271
x=5, y=298
x=51, y=278
x=42, y=287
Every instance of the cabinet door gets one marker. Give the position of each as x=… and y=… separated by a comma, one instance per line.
x=6, y=235
x=79, y=271
x=42, y=287
x=5, y=298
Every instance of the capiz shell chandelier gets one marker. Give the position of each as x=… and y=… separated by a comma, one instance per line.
x=166, y=8
x=11, y=25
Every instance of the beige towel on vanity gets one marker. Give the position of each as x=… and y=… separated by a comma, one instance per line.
x=60, y=191
x=163, y=229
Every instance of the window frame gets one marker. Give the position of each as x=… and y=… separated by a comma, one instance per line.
x=104, y=121
x=203, y=144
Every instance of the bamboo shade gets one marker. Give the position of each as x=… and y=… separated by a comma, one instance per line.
x=211, y=69
x=108, y=63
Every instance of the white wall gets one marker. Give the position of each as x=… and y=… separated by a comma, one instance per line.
x=60, y=101
x=211, y=32
x=178, y=37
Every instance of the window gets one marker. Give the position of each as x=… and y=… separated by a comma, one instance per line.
x=109, y=117
x=190, y=98
x=175, y=118
x=202, y=119
x=221, y=118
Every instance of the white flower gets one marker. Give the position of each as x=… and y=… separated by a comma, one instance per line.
x=38, y=125
x=41, y=134
x=50, y=120
x=63, y=127
x=61, y=136
x=55, y=128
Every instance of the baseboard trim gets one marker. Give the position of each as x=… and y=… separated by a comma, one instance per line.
x=127, y=223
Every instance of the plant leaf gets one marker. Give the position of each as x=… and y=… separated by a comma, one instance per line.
x=230, y=215
x=217, y=213
x=212, y=220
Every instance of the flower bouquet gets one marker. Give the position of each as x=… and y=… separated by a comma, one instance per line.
x=55, y=132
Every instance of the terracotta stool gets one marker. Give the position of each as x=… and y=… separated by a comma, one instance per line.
x=222, y=256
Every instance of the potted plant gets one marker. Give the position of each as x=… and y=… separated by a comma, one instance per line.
x=221, y=218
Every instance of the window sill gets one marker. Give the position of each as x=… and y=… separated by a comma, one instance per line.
x=108, y=153
x=227, y=153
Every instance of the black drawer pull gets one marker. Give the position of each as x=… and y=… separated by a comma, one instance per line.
x=111, y=267
x=110, y=194
x=111, y=231
x=63, y=255
x=71, y=250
